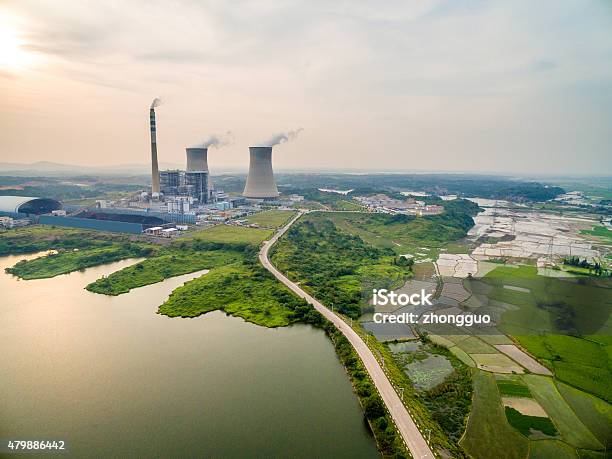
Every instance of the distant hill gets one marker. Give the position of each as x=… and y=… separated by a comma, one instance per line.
x=52, y=168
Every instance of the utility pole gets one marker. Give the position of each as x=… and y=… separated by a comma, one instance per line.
x=401, y=394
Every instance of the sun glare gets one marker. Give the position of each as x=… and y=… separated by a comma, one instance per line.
x=12, y=54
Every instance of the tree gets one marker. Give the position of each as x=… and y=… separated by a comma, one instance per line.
x=373, y=407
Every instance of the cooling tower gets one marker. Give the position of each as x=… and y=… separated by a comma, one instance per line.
x=197, y=159
x=154, y=165
x=260, y=181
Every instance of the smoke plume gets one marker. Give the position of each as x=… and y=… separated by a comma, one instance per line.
x=156, y=102
x=282, y=137
x=217, y=141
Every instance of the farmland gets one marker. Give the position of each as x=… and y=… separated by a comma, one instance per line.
x=488, y=433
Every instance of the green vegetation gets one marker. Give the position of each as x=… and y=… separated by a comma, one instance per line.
x=512, y=387
x=57, y=188
x=403, y=233
x=488, y=433
x=327, y=200
x=171, y=263
x=582, y=363
x=594, y=268
x=561, y=323
x=228, y=234
x=599, y=231
x=65, y=261
x=241, y=290
x=36, y=238
x=334, y=265
x=594, y=413
x=387, y=438
x=460, y=184
x=271, y=218
x=449, y=401
x=547, y=449
x=572, y=430
x=527, y=425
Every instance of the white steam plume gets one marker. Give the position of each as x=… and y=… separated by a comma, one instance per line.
x=217, y=141
x=156, y=102
x=282, y=137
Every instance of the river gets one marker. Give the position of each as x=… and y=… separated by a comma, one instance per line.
x=113, y=378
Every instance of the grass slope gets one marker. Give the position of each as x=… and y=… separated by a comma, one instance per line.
x=488, y=433
x=230, y=234
x=548, y=449
x=271, y=218
x=592, y=411
x=568, y=424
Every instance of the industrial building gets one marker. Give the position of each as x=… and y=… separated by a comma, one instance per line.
x=260, y=182
x=20, y=206
x=193, y=182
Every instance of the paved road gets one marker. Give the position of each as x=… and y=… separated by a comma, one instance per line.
x=409, y=431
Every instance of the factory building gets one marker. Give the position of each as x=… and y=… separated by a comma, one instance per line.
x=193, y=182
x=170, y=182
x=25, y=205
x=260, y=182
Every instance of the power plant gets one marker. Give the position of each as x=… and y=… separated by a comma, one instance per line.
x=197, y=159
x=260, y=182
x=193, y=185
x=154, y=165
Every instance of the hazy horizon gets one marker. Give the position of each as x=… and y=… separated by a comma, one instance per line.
x=468, y=86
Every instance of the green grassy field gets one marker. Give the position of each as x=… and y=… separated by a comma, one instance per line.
x=548, y=449
x=271, y=218
x=488, y=433
x=231, y=234
x=594, y=413
x=572, y=430
x=512, y=386
x=162, y=267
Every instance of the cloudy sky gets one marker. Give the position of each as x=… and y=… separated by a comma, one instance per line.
x=517, y=86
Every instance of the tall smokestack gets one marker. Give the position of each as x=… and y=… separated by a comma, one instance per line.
x=197, y=159
x=154, y=165
x=260, y=181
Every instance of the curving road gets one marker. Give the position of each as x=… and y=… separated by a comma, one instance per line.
x=406, y=426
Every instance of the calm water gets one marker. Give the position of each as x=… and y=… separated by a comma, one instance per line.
x=113, y=378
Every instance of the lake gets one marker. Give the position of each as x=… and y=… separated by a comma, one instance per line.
x=113, y=378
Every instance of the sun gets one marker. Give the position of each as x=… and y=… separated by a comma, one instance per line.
x=12, y=54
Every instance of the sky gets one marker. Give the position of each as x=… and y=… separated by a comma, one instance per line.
x=437, y=85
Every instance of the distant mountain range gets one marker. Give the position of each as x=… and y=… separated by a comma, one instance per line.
x=51, y=168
